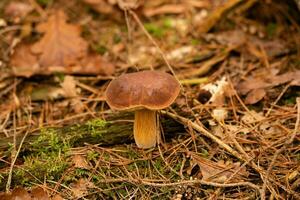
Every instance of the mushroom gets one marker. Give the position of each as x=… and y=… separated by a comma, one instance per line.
x=144, y=92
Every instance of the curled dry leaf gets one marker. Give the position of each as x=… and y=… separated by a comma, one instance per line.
x=61, y=49
x=217, y=91
x=255, y=96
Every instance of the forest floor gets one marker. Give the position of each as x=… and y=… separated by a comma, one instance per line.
x=232, y=133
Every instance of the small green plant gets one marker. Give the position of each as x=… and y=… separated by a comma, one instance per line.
x=154, y=29
x=168, y=22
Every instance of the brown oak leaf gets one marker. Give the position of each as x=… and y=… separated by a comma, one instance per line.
x=61, y=49
x=61, y=45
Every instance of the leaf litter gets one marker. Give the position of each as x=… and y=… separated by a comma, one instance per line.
x=60, y=50
x=239, y=127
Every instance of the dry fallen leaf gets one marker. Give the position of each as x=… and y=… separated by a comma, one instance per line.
x=39, y=194
x=16, y=194
x=94, y=64
x=80, y=162
x=81, y=187
x=220, y=171
x=61, y=45
x=255, y=96
x=25, y=62
x=61, y=49
x=69, y=86
x=57, y=197
x=217, y=90
x=267, y=81
x=254, y=88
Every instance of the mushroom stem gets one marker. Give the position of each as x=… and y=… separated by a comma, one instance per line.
x=145, y=128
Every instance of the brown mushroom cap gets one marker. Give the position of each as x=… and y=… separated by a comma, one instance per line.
x=147, y=89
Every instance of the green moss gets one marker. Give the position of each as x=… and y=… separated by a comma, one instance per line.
x=96, y=127
x=159, y=165
x=47, y=160
x=81, y=172
x=49, y=142
x=132, y=154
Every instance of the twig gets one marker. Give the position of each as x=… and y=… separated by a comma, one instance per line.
x=13, y=163
x=206, y=133
x=186, y=182
x=193, y=81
